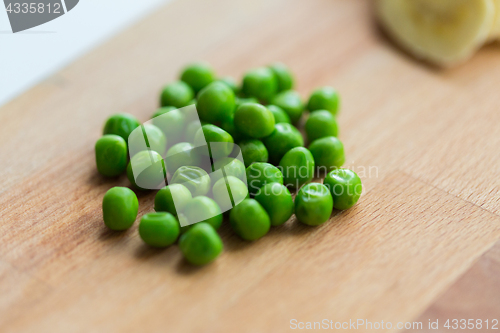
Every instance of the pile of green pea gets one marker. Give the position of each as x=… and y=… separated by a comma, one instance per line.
x=260, y=116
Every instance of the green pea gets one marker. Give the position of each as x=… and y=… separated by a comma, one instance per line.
x=172, y=122
x=249, y=220
x=231, y=83
x=324, y=98
x=111, y=155
x=328, y=153
x=200, y=244
x=159, y=229
x=198, y=75
x=243, y=100
x=216, y=103
x=228, y=126
x=232, y=167
x=254, y=120
x=283, y=76
x=297, y=167
x=229, y=191
x=291, y=102
x=146, y=170
x=260, y=174
x=313, y=204
x=178, y=94
x=260, y=83
x=194, y=178
x=172, y=198
x=282, y=139
x=203, y=209
x=121, y=124
x=192, y=128
x=277, y=201
x=181, y=154
x=153, y=136
x=119, y=208
x=345, y=187
x=280, y=116
x=253, y=151
x=220, y=143
x=321, y=123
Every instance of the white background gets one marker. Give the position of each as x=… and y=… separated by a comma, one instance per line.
x=29, y=56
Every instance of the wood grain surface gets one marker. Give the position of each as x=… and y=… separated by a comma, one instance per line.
x=425, y=142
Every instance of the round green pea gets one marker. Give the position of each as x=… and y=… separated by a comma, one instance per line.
x=198, y=75
x=232, y=167
x=254, y=120
x=260, y=83
x=172, y=198
x=216, y=103
x=297, y=167
x=328, y=153
x=203, y=209
x=321, y=123
x=291, y=102
x=119, y=208
x=280, y=116
x=181, y=154
x=253, y=151
x=249, y=220
x=200, y=244
x=231, y=83
x=111, y=155
x=313, y=204
x=121, y=124
x=324, y=98
x=194, y=178
x=283, y=75
x=146, y=170
x=345, y=187
x=260, y=174
x=282, y=139
x=159, y=229
x=172, y=122
x=178, y=94
x=229, y=191
x=277, y=201
x=220, y=143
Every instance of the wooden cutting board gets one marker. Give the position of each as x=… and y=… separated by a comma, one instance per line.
x=425, y=142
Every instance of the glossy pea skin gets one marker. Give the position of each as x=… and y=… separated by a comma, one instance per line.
x=321, y=123
x=253, y=151
x=148, y=167
x=200, y=244
x=345, y=188
x=260, y=83
x=220, y=143
x=277, y=201
x=249, y=220
x=194, y=178
x=284, y=76
x=260, y=174
x=297, y=167
x=159, y=229
x=313, y=204
x=198, y=75
x=181, y=154
x=121, y=124
x=324, y=98
x=216, y=103
x=164, y=199
x=280, y=116
x=328, y=153
x=231, y=83
x=172, y=122
x=203, y=209
x=228, y=192
x=243, y=100
x=119, y=208
x=254, y=120
x=111, y=155
x=178, y=94
x=232, y=167
x=282, y=139
x=291, y=102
